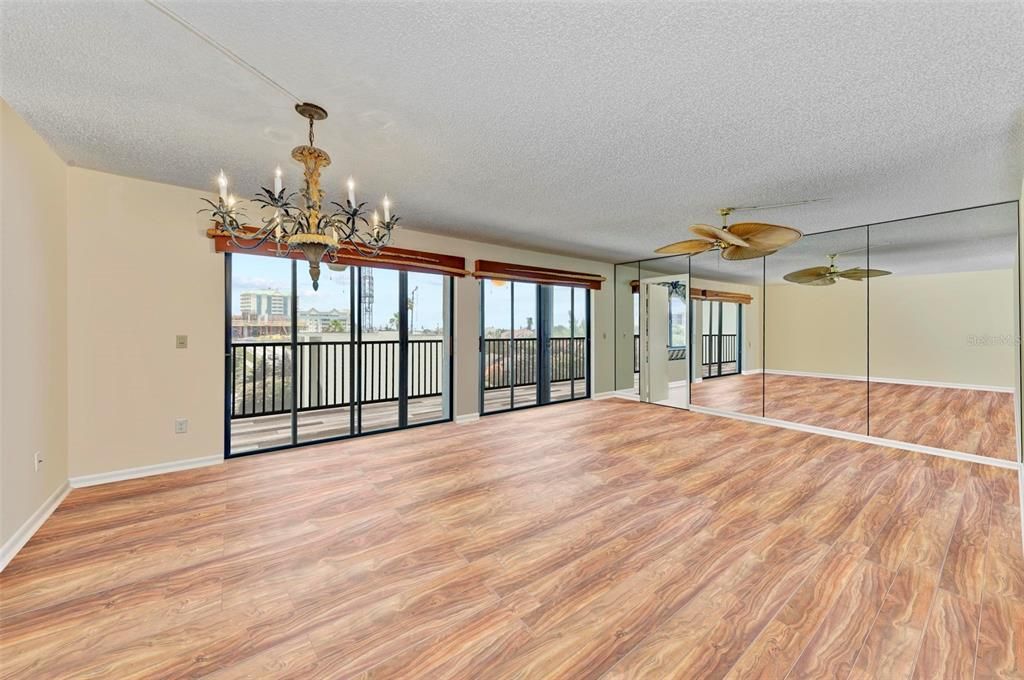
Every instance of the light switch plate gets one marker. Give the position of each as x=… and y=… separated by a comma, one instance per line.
x=180, y=425
x=181, y=341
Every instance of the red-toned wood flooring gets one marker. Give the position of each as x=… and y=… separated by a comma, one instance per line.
x=970, y=421
x=597, y=539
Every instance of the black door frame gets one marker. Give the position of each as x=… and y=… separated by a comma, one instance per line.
x=355, y=362
x=718, y=335
x=542, y=352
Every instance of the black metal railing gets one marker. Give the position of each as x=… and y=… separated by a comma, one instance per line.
x=504, y=358
x=262, y=374
x=718, y=349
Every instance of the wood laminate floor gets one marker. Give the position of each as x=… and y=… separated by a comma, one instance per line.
x=594, y=539
x=970, y=421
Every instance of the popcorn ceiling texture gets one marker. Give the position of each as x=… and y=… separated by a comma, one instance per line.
x=596, y=129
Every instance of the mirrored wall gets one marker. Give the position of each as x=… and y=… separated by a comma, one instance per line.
x=653, y=332
x=906, y=330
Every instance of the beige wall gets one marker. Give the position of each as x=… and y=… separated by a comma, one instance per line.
x=33, y=330
x=142, y=272
x=128, y=383
x=922, y=328
x=816, y=329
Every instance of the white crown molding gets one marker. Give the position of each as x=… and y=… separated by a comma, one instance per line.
x=467, y=418
x=145, y=471
x=891, y=381
x=31, y=525
x=879, y=441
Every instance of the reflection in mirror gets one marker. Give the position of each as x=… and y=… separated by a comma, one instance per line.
x=815, y=332
x=943, y=331
x=726, y=298
x=627, y=330
x=662, y=294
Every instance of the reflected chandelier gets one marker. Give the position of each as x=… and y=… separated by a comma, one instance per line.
x=299, y=221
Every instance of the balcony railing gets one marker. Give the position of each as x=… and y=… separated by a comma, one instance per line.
x=712, y=355
x=505, y=358
x=262, y=374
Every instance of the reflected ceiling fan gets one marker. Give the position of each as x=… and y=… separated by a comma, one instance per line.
x=826, y=276
x=741, y=241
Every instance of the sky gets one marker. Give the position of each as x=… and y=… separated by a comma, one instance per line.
x=252, y=272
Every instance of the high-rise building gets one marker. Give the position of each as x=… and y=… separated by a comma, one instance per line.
x=264, y=304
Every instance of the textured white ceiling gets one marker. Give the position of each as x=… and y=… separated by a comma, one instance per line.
x=595, y=129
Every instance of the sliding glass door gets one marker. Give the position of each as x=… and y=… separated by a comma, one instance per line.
x=368, y=352
x=721, y=342
x=534, y=344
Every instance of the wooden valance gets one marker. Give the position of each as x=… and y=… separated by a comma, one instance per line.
x=389, y=258
x=720, y=295
x=486, y=269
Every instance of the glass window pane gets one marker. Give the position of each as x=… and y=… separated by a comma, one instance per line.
x=560, y=350
x=524, y=341
x=581, y=338
x=428, y=386
x=325, y=356
x=261, y=354
x=497, y=345
x=379, y=348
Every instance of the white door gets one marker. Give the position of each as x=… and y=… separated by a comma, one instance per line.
x=654, y=319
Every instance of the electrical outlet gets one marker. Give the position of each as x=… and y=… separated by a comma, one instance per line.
x=37, y=459
x=181, y=342
x=180, y=425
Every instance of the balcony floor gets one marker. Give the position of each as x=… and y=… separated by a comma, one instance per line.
x=265, y=432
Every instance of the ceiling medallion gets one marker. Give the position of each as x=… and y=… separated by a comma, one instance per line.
x=298, y=222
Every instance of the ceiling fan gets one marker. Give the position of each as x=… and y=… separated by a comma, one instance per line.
x=826, y=276
x=741, y=241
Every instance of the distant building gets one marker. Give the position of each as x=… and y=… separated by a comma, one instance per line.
x=263, y=304
x=316, y=321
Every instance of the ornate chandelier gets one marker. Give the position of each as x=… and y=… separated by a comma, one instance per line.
x=298, y=221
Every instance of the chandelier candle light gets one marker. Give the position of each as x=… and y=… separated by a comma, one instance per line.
x=298, y=221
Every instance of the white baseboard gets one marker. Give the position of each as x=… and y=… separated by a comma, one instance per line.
x=753, y=371
x=891, y=381
x=20, y=537
x=467, y=418
x=602, y=395
x=879, y=441
x=144, y=471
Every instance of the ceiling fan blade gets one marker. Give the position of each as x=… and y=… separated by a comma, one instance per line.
x=744, y=253
x=765, y=236
x=691, y=247
x=716, y=234
x=823, y=281
x=858, y=274
x=806, y=275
